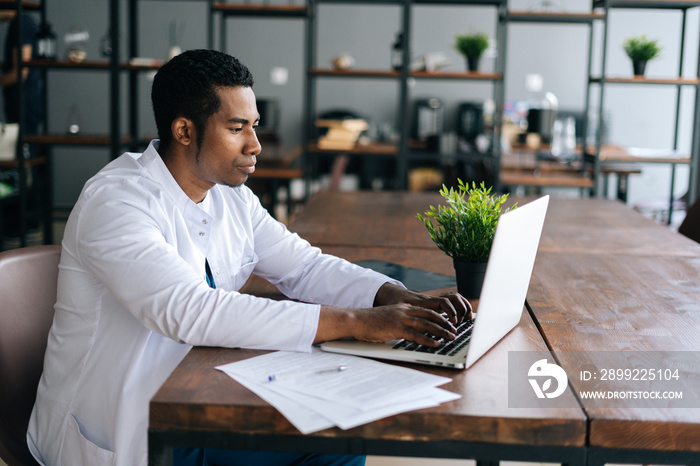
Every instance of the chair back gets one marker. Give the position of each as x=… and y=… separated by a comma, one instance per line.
x=690, y=226
x=28, y=281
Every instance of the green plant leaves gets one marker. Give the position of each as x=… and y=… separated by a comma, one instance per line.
x=464, y=228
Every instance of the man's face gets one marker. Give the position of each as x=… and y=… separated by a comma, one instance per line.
x=230, y=145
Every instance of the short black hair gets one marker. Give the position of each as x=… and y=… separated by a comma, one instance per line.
x=186, y=87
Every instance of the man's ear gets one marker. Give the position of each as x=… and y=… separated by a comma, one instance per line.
x=183, y=130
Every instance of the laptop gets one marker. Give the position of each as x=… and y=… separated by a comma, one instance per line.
x=507, y=279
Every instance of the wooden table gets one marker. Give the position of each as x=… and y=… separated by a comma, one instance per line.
x=605, y=279
x=609, y=280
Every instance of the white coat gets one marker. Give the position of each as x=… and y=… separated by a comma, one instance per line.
x=133, y=300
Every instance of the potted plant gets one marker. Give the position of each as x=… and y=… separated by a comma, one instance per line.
x=472, y=46
x=464, y=230
x=641, y=50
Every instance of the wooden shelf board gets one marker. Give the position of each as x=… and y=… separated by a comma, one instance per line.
x=652, y=4
x=646, y=80
x=368, y=73
x=86, y=65
x=619, y=154
x=352, y=73
x=74, y=140
x=377, y=149
x=244, y=9
x=31, y=162
x=11, y=4
x=552, y=17
x=512, y=177
x=460, y=2
x=457, y=75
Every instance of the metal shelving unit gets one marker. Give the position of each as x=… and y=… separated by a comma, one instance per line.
x=596, y=154
x=402, y=152
x=21, y=164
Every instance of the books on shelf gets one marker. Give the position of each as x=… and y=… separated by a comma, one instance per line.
x=340, y=134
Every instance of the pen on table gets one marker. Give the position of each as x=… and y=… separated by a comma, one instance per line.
x=284, y=375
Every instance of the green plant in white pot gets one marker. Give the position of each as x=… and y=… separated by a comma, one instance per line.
x=641, y=50
x=472, y=46
x=464, y=230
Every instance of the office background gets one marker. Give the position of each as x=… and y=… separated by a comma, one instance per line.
x=636, y=117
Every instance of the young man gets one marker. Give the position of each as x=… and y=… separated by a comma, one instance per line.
x=154, y=254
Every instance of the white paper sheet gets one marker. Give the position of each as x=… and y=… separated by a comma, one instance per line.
x=365, y=391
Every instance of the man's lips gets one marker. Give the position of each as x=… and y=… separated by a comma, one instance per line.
x=247, y=168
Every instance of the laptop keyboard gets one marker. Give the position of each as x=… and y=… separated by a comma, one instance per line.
x=449, y=348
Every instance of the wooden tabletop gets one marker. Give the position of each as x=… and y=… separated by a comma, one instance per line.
x=605, y=279
x=197, y=398
x=366, y=219
x=598, y=303
x=388, y=220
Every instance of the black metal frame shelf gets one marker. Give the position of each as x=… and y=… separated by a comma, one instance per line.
x=679, y=81
x=402, y=151
x=552, y=17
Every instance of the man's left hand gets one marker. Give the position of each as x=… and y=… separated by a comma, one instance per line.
x=454, y=305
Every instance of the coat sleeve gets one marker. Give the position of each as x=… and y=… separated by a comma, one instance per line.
x=122, y=245
x=303, y=272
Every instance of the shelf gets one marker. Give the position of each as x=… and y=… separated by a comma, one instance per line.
x=651, y=4
x=366, y=73
x=31, y=162
x=359, y=149
x=552, y=17
x=355, y=73
x=263, y=10
x=472, y=75
x=645, y=80
x=570, y=179
x=87, y=65
x=619, y=154
x=74, y=140
x=12, y=4
x=460, y=2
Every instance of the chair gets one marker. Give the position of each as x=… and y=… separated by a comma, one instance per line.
x=28, y=281
x=690, y=226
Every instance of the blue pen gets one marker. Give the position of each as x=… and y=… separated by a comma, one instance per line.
x=284, y=375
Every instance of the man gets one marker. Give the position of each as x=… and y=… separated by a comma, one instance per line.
x=154, y=254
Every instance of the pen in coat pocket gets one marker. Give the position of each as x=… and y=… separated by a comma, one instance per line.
x=292, y=374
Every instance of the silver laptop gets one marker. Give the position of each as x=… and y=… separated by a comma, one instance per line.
x=500, y=306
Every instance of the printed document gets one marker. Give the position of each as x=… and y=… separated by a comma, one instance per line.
x=318, y=390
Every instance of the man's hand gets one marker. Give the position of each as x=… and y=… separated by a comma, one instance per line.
x=398, y=313
x=454, y=305
x=384, y=323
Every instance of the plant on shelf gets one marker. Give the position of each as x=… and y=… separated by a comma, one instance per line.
x=472, y=46
x=464, y=230
x=641, y=50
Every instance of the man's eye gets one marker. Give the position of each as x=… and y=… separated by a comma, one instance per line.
x=236, y=130
x=255, y=128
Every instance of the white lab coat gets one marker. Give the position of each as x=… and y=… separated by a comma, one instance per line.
x=133, y=299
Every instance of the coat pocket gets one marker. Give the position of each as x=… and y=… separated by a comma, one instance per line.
x=77, y=449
